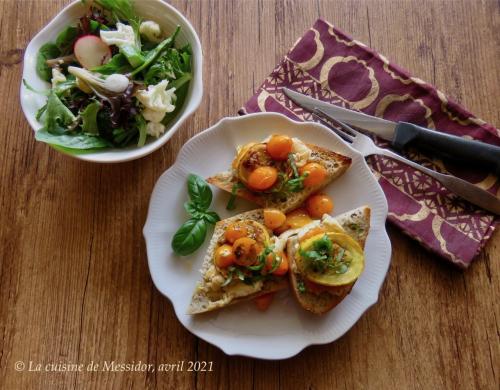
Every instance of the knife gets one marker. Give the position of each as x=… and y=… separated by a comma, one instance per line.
x=403, y=134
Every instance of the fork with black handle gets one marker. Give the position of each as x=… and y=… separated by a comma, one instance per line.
x=364, y=144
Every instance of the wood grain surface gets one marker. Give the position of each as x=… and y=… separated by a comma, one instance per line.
x=74, y=281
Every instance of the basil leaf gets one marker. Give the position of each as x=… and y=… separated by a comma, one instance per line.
x=199, y=191
x=193, y=210
x=46, y=52
x=211, y=217
x=189, y=237
x=301, y=287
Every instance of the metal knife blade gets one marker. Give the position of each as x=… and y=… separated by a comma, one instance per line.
x=382, y=127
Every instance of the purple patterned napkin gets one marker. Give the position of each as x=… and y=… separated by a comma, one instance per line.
x=329, y=65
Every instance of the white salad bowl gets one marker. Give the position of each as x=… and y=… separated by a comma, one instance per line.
x=162, y=13
x=285, y=328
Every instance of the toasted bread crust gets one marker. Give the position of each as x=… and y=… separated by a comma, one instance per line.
x=325, y=301
x=335, y=163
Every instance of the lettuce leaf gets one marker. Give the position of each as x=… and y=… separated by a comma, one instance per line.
x=57, y=117
x=117, y=64
x=65, y=40
x=89, y=118
x=46, y=52
x=67, y=141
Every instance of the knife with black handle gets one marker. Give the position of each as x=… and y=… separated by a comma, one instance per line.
x=450, y=147
x=403, y=134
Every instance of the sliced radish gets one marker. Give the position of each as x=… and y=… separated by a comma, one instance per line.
x=91, y=51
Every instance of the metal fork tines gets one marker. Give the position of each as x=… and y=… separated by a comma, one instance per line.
x=346, y=132
x=365, y=145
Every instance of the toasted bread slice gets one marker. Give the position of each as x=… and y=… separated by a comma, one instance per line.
x=209, y=295
x=336, y=164
x=355, y=223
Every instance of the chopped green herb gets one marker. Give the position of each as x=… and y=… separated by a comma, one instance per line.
x=231, y=204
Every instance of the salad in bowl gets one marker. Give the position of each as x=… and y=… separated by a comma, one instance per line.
x=117, y=80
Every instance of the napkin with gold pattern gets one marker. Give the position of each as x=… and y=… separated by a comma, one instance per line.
x=329, y=65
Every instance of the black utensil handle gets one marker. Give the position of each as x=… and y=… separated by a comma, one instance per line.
x=448, y=146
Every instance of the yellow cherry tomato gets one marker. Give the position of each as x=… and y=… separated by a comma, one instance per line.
x=273, y=218
x=279, y=146
x=316, y=174
x=264, y=301
x=283, y=263
x=224, y=256
x=319, y=204
x=246, y=250
x=234, y=231
x=295, y=219
x=262, y=178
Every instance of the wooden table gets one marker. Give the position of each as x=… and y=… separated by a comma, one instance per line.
x=74, y=281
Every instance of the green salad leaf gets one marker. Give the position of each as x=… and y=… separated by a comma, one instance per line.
x=117, y=64
x=152, y=55
x=30, y=88
x=46, y=52
x=142, y=126
x=89, y=118
x=174, y=64
x=67, y=141
x=65, y=40
x=57, y=117
x=120, y=9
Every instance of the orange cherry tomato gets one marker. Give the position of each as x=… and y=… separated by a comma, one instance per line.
x=295, y=219
x=264, y=301
x=273, y=218
x=279, y=146
x=234, y=231
x=262, y=178
x=316, y=174
x=313, y=232
x=319, y=204
x=283, y=264
x=224, y=256
x=246, y=250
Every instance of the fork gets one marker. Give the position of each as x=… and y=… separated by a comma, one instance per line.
x=365, y=145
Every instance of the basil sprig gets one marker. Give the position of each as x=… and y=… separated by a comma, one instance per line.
x=192, y=233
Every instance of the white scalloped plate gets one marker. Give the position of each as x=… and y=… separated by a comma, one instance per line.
x=285, y=329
